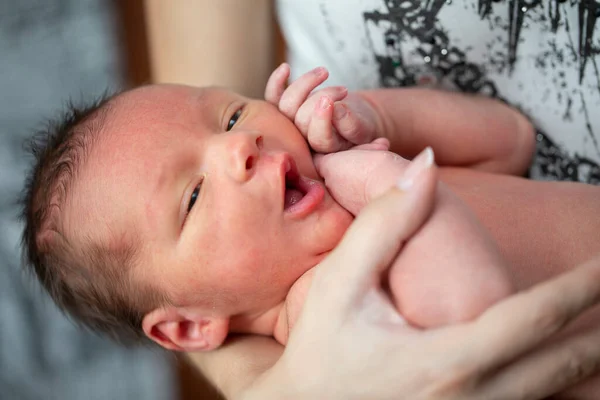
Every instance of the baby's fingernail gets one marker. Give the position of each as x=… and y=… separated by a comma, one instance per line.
x=281, y=67
x=339, y=111
x=420, y=163
x=324, y=103
x=383, y=142
x=320, y=71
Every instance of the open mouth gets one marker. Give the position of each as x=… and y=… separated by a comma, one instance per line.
x=293, y=188
x=301, y=194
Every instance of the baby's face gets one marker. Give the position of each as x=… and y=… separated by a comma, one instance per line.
x=200, y=176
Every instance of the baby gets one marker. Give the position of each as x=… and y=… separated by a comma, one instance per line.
x=183, y=214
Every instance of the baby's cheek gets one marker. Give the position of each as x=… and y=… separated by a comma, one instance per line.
x=339, y=222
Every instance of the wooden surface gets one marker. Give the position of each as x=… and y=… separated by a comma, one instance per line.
x=134, y=48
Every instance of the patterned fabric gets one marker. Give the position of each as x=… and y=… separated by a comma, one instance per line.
x=539, y=56
x=50, y=50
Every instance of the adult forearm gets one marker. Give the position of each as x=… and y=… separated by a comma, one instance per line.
x=236, y=366
x=205, y=42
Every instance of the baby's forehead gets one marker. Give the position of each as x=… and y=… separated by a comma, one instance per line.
x=171, y=95
x=156, y=106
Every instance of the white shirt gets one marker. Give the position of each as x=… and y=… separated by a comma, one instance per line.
x=538, y=55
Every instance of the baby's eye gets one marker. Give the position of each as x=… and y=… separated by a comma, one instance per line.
x=194, y=197
x=234, y=119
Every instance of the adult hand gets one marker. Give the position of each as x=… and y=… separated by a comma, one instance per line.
x=349, y=342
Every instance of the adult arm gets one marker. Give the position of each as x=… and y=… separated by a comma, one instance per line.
x=212, y=43
x=234, y=367
x=349, y=342
x=347, y=329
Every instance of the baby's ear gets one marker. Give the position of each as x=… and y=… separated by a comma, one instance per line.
x=185, y=329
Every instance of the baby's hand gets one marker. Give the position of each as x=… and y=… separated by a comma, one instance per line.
x=354, y=176
x=329, y=118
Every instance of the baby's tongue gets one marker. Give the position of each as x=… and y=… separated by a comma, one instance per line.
x=292, y=196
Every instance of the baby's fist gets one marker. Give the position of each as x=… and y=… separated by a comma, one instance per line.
x=330, y=119
x=362, y=173
x=339, y=125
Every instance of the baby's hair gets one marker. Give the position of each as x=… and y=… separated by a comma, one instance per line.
x=89, y=281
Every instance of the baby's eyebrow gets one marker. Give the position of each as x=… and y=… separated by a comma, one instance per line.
x=213, y=108
x=160, y=182
x=153, y=203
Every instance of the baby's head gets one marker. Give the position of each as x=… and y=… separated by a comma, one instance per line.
x=170, y=212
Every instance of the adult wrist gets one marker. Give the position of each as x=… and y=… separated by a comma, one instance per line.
x=275, y=384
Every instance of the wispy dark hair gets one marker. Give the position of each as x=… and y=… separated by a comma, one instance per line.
x=90, y=281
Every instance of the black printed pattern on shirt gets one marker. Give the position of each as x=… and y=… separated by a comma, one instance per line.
x=417, y=21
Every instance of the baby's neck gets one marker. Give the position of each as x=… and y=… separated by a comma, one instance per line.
x=279, y=320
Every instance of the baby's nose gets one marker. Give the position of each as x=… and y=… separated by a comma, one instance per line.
x=244, y=151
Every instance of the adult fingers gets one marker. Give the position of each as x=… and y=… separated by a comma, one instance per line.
x=298, y=91
x=276, y=84
x=515, y=325
x=373, y=240
x=547, y=371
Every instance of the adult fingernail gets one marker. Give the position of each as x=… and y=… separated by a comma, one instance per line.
x=420, y=163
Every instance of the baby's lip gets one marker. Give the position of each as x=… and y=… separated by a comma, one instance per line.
x=288, y=173
x=312, y=191
x=289, y=169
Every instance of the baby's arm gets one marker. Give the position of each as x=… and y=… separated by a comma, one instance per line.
x=450, y=270
x=463, y=130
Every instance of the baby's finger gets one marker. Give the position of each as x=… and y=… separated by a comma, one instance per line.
x=335, y=93
x=298, y=91
x=349, y=125
x=307, y=109
x=547, y=371
x=321, y=135
x=377, y=144
x=514, y=326
x=276, y=84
